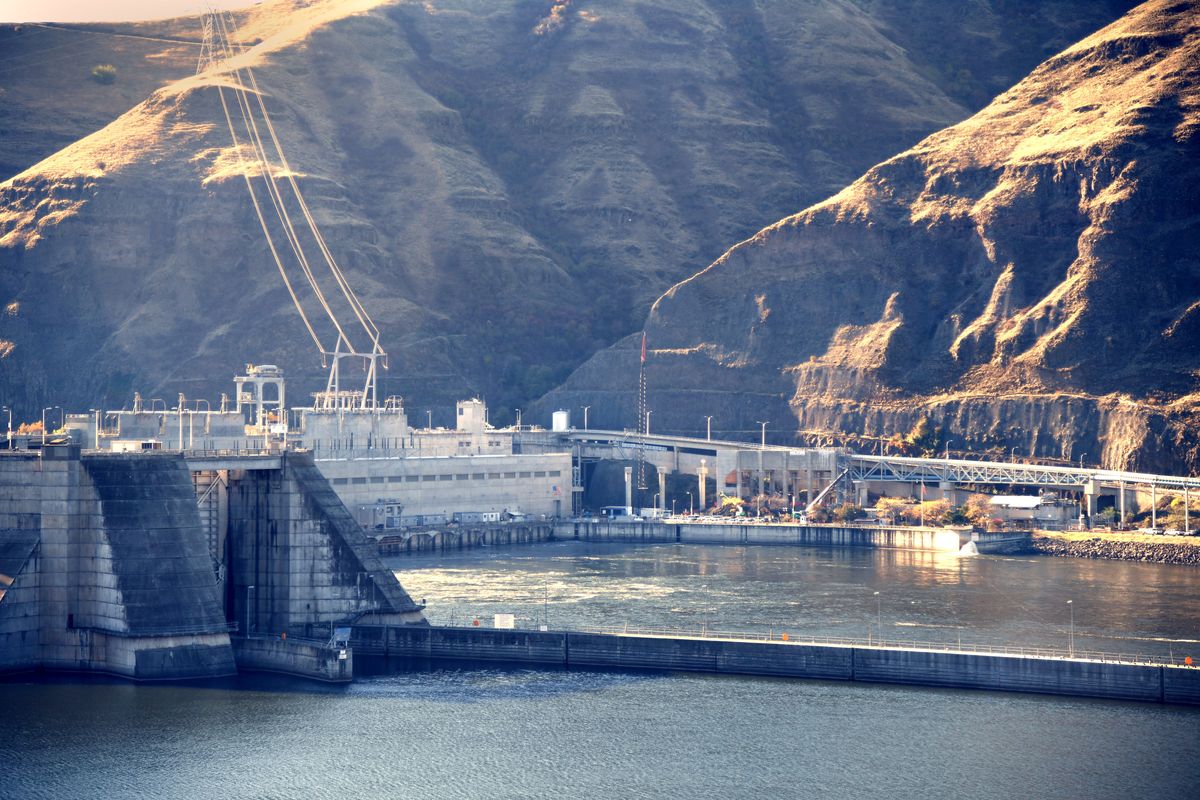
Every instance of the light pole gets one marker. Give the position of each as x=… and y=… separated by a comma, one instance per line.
x=947, y=449
x=1071, y=640
x=691, y=507
x=585, y=410
x=648, y=413
x=879, y=615
x=429, y=416
x=764, y=435
x=1012, y=454
x=9, y=410
x=44, y=410
x=708, y=435
x=518, y=419
x=1081, y=455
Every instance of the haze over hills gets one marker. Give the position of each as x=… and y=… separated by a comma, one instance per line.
x=509, y=185
x=1028, y=277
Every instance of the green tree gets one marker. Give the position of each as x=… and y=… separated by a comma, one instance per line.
x=104, y=73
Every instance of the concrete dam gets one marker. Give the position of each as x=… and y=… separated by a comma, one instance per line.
x=156, y=566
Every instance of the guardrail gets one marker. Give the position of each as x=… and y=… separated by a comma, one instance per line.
x=783, y=637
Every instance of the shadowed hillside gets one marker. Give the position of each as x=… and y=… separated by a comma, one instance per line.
x=509, y=185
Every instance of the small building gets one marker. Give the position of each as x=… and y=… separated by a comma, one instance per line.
x=1033, y=511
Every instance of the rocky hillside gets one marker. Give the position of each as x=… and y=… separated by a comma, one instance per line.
x=1027, y=278
x=509, y=184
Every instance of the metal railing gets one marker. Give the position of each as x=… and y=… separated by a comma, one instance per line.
x=786, y=638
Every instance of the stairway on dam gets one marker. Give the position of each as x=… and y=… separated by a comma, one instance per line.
x=107, y=566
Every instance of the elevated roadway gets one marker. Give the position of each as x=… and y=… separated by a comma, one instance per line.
x=743, y=465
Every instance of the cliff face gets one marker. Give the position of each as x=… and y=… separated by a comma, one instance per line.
x=508, y=185
x=1026, y=278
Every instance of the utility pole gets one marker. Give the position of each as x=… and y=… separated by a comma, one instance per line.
x=643, y=422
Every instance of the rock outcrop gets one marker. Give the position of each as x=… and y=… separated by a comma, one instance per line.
x=1026, y=278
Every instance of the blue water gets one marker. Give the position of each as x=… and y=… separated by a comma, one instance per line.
x=544, y=734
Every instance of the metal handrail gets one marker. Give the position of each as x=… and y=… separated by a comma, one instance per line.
x=896, y=644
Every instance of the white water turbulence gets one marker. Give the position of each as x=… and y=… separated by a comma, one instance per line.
x=969, y=549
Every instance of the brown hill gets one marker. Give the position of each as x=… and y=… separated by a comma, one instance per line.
x=509, y=185
x=1028, y=278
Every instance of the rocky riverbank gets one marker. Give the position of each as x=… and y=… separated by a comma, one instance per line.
x=1124, y=547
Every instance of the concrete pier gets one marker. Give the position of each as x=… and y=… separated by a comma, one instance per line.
x=444, y=538
x=315, y=660
x=107, y=566
x=744, y=533
x=391, y=649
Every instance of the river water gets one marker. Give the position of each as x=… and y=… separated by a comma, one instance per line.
x=498, y=733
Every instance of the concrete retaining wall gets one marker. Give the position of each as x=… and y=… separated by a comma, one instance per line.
x=401, y=647
x=766, y=534
x=317, y=661
x=464, y=537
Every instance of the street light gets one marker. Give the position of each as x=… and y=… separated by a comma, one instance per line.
x=1012, y=454
x=648, y=413
x=44, y=410
x=764, y=434
x=691, y=507
x=429, y=415
x=585, y=410
x=709, y=427
x=1071, y=640
x=518, y=419
x=9, y=410
x=1081, y=455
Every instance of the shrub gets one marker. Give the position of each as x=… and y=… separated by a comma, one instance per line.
x=104, y=73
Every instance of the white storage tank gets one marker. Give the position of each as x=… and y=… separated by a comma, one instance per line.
x=561, y=421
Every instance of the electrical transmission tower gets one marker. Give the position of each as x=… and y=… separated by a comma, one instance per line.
x=307, y=266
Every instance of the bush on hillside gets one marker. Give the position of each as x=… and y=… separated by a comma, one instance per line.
x=104, y=73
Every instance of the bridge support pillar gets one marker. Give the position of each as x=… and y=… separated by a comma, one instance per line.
x=629, y=491
x=702, y=476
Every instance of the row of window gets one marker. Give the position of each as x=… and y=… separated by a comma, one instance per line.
x=461, y=476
